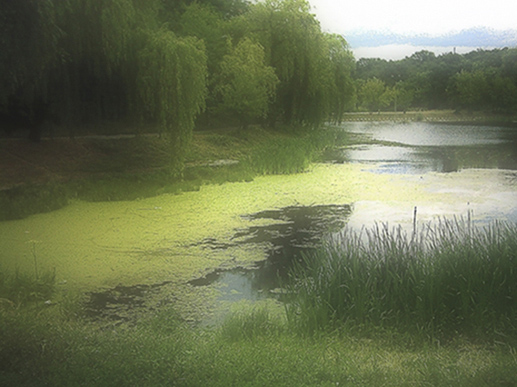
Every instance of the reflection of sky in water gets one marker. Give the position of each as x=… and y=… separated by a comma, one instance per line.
x=393, y=159
x=418, y=148
x=488, y=194
x=427, y=134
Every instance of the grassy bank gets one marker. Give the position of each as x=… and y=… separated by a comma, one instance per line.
x=256, y=349
x=434, y=309
x=138, y=167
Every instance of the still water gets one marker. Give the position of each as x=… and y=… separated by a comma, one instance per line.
x=201, y=252
x=427, y=147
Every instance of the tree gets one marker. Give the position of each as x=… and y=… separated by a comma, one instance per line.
x=247, y=83
x=403, y=96
x=341, y=83
x=203, y=22
x=470, y=89
x=371, y=94
x=29, y=52
x=92, y=60
x=172, y=85
x=297, y=49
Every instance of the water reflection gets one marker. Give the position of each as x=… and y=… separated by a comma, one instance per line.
x=418, y=148
x=293, y=231
x=433, y=134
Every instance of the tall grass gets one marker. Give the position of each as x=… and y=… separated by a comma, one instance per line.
x=447, y=279
x=293, y=154
x=284, y=156
x=20, y=289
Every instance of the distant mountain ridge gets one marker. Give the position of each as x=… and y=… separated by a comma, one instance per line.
x=473, y=37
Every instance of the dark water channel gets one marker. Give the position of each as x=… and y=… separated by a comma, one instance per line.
x=293, y=231
x=296, y=230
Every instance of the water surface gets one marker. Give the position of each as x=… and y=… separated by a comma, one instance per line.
x=419, y=147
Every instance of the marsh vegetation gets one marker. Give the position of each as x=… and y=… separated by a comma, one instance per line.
x=191, y=211
x=371, y=305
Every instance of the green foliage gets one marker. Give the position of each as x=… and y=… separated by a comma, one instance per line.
x=470, y=88
x=172, y=85
x=447, y=280
x=307, y=62
x=480, y=80
x=342, y=95
x=247, y=85
x=204, y=23
x=29, y=46
x=372, y=94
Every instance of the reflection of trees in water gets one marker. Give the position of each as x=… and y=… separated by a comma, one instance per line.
x=499, y=156
x=302, y=230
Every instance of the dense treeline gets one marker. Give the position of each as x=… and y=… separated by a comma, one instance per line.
x=168, y=63
x=479, y=80
x=165, y=62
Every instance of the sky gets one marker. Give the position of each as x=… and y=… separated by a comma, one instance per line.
x=409, y=18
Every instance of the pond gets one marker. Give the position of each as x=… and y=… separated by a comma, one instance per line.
x=201, y=252
x=420, y=147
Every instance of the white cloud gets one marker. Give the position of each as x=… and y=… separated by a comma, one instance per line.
x=414, y=16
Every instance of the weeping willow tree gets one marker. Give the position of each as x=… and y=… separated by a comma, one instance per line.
x=29, y=50
x=172, y=85
x=342, y=63
x=247, y=84
x=95, y=60
x=304, y=61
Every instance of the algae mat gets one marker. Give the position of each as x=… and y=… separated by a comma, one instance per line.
x=101, y=245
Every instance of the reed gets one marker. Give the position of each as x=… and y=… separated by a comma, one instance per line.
x=293, y=154
x=447, y=279
x=284, y=156
x=21, y=289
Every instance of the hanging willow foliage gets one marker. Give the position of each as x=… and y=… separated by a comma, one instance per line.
x=29, y=38
x=301, y=55
x=172, y=84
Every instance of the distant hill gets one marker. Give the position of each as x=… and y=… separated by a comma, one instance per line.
x=473, y=37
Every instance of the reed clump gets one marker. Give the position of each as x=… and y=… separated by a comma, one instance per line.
x=20, y=289
x=444, y=280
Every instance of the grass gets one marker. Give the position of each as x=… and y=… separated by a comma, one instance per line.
x=162, y=351
x=449, y=116
x=20, y=289
x=449, y=279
